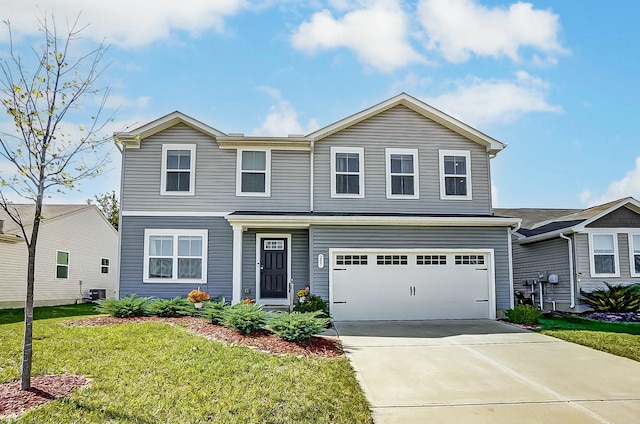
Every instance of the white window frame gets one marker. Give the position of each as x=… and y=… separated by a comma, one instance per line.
x=631, y=255
x=175, y=233
x=108, y=266
x=360, y=173
x=616, y=258
x=416, y=185
x=467, y=175
x=192, y=170
x=68, y=264
x=267, y=172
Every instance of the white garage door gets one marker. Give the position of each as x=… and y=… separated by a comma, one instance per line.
x=394, y=285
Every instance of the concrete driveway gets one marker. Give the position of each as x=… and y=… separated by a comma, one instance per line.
x=485, y=371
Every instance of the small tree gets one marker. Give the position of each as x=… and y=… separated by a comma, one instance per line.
x=108, y=204
x=39, y=92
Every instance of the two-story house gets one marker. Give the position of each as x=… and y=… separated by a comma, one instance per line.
x=386, y=214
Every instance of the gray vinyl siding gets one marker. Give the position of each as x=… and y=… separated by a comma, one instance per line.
x=215, y=180
x=369, y=237
x=551, y=256
x=619, y=218
x=401, y=127
x=583, y=265
x=219, y=259
x=299, y=258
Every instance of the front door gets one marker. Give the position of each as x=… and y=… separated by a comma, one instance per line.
x=273, y=268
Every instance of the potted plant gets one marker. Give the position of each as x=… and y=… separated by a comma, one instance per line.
x=197, y=297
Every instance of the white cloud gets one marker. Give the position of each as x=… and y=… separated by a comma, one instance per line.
x=410, y=83
x=629, y=185
x=115, y=101
x=482, y=102
x=282, y=120
x=377, y=32
x=122, y=22
x=462, y=28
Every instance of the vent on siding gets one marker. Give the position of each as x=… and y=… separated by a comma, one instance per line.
x=431, y=260
x=469, y=259
x=391, y=259
x=351, y=259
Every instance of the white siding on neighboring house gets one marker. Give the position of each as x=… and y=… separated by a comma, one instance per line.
x=13, y=275
x=88, y=238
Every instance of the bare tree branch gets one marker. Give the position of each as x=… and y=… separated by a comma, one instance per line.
x=40, y=93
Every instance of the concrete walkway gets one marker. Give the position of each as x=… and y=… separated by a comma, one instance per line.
x=485, y=371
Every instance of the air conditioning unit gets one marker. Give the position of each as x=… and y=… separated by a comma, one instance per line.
x=97, y=294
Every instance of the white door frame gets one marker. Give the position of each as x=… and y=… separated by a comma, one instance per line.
x=490, y=264
x=272, y=301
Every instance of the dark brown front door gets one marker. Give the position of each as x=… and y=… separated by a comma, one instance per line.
x=273, y=268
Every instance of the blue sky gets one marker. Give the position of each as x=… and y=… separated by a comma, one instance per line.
x=558, y=81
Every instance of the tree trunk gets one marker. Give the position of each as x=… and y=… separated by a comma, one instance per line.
x=27, y=351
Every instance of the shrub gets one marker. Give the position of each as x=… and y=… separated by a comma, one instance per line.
x=214, y=312
x=297, y=326
x=313, y=303
x=615, y=298
x=523, y=314
x=130, y=306
x=176, y=307
x=244, y=318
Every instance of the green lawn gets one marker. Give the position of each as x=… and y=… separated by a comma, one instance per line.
x=153, y=372
x=622, y=339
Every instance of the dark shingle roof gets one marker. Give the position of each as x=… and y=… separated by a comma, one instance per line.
x=532, y=216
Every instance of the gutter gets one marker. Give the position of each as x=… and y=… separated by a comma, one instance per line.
x=571, y=278
x=512, y=232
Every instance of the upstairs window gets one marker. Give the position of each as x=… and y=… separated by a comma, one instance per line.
x=254, y=173
x=347, y=172
x=178, y=169
x=104, y=265
x=634, y=250
x=175, y=256
x=62, y=264
x=604, y=255
x=402, y=173
x=455, y=174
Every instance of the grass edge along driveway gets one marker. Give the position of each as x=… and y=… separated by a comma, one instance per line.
x=621, y=339
x=154, y=372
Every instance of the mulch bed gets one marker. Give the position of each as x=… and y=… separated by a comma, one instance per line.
x=317, y=346
x=613, y=316
x=44, y=388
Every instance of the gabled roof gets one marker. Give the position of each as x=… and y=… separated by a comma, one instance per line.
x=493, y=146
x=49, y=212
x=132, y=138
x=574, y=221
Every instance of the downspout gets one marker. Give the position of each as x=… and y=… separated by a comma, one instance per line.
x=510, y=236
x=313, y=145
x=571, y=279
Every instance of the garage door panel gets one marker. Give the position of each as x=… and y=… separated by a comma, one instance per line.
x=398, y=286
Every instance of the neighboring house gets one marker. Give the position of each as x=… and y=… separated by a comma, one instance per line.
x=386, y=214
x=584, y=248
x=77, y=251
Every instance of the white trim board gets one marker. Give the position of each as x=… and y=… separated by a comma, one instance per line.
x=174, y=213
